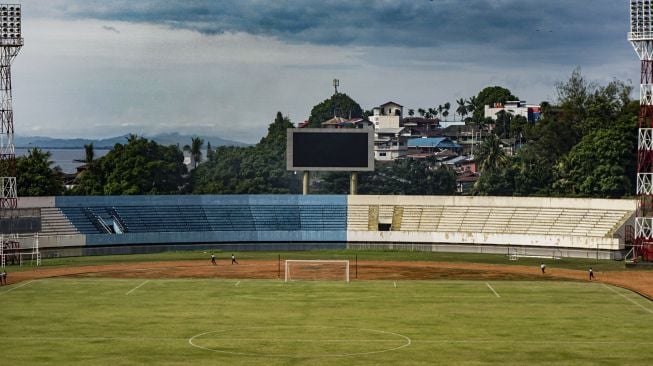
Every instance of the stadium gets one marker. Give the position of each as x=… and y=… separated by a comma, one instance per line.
x=130, y=278
x=324, y=280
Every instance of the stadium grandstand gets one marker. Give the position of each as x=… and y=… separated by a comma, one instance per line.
x=515, y=226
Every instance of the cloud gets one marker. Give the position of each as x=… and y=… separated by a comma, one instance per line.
x=110, y=29
x=529, y=30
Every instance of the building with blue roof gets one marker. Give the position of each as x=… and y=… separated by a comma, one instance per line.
x=433, y=144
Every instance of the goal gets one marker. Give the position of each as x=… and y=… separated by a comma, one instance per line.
x=313, y=270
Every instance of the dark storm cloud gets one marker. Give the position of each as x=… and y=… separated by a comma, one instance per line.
x=409, y=23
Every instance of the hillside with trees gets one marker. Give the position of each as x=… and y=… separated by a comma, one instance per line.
x=584, y=146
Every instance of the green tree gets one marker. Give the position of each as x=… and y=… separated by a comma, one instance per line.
x=462, y=108
x=489, y=96
x=411, y=112
x=491, y=156
x=36, y=176
x=339, y=105
x=252, y=169
x=140, y=166
x=195, y=149
x=210, y=153
x=89, y=153
x=599, y=166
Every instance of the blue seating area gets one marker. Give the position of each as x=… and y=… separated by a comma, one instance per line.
x=205, y=214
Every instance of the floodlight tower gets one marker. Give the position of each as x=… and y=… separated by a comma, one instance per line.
x=11, y=41
x=641, y=37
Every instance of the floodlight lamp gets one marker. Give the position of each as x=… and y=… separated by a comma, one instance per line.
x=10, y=34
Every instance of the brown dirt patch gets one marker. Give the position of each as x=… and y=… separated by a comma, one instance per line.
x=641, y=282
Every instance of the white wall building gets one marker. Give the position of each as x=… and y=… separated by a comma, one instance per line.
x=387, y=115
x=390, y=143
x=515, y=107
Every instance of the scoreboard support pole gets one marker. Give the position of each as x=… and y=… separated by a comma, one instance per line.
x=305, y=182
x=353, y=183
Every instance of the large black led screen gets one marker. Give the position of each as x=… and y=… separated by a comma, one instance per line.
x=331, y=150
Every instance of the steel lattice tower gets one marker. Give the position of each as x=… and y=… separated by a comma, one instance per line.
x=641, y=37
x=10, y=43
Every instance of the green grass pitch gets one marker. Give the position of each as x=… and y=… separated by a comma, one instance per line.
x=78, y=321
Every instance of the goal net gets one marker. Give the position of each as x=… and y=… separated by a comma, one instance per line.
x=315, y=270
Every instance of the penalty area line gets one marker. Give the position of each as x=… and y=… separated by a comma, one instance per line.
x=627, y=298
x=19, y=286
x=137, y=287
x=490, y=287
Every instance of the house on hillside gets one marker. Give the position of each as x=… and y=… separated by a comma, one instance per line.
x=467, y=136
x=420, y=126
x=531, y=112
x=390, y=143
x=339, y=122
x=387, y=115
x=432, y=145
x=465, y=182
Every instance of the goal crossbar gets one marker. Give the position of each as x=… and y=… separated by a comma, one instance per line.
x=288, y=262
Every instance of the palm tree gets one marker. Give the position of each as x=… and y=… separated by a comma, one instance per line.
x=411, y=112
x=421, y=111
x=491, y=155
x=433, y=112
x=195, y=149
x=471, y=104
x=462, y=108
x=440, y=109
x=447, y=106
x=90, y=153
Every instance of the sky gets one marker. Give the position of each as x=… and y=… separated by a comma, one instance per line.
x=102, y=68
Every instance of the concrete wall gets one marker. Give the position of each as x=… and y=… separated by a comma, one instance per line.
x=549, y=241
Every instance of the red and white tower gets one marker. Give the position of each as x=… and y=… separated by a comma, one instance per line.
x=641, y=37
x=11, y=41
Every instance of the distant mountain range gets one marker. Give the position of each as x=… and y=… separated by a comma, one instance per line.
x=108, y=143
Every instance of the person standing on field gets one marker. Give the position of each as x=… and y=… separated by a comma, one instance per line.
x=213, y=259
x=543, y=268
x=591, y=274
x=3, y=278
x=233, y=259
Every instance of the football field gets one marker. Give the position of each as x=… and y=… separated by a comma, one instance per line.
x=103, y=321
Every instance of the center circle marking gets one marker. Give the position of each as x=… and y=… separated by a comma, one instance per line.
x=407, y=343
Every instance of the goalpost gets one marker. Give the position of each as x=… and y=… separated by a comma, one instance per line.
x=308, y=269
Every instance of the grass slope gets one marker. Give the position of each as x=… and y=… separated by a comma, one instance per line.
x=247, y=322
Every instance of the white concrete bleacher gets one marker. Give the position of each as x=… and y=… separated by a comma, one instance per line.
x=497, y=220
x=54, y=222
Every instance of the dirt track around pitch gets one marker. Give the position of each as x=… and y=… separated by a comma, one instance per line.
x=638, y=281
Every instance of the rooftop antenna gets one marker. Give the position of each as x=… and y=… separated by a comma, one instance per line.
x=336, y=84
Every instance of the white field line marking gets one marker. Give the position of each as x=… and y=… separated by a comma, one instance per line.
x=19, y=286
x=317, y=340
x=627, y=298
x=137, y=287
x=237, y=283
x=490, y=287
x=517, y=341
x=94, y=338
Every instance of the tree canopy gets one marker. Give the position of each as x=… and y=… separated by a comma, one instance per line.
x=489, y=96
x=340, y=105
x=251, y=169
x=36, y=176
x=140, y=166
